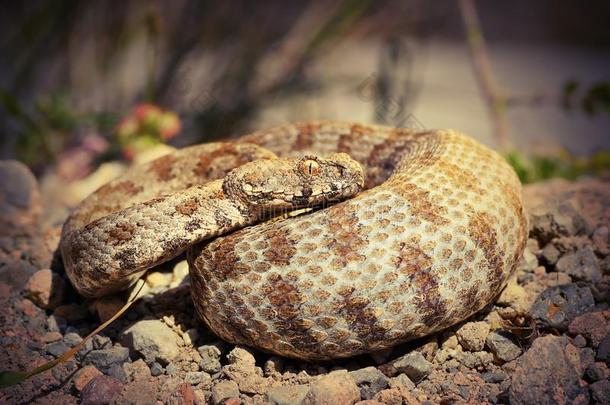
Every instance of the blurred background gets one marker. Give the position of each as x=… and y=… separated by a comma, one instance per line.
x=82, y=83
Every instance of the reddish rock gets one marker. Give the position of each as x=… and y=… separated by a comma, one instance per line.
x=184, y=395
x=45, y=288
x=84, y=375
x=100, y=390
x=546, y=373
x=27, y=307
x=335, y=388
x=592, y=325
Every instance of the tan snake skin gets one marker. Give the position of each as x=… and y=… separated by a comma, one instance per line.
x=431, y=241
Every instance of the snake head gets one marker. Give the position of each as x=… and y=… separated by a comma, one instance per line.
x=282, y=184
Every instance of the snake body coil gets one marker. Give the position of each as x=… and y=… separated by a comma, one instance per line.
x=432, y=240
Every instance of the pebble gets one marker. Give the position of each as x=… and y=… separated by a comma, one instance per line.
x=50, y=337
x=600, y=392
x=224, y=390
x=156, y=369
x=493, y=377
x=557, y=306
x=19, y=196
x=104, y=359
x=179, y=274
x=603, y=350
x=547, y=372
x=592, y=325
x=503, y=345
x=84, y=375
x=471, y=335
x=529, y=261
x=401, y=380
x=601, y=240
x=581, y=265
x=197, y=377
x=370, y=381
x=287, y=395
x=157, y=279
x=550, y=254
x=336, y=388
x=553, y=219
x=190, y=337
x=45, y=289
x=56, y=349
x=241, y=357
x=275, y=364
x=101, y=342
x=414, y=365
x=72, y=339
x=210, y=358
x=106, y=307
x=597, y=371
x=153, y=339
x=100, y=390
x=136, y=371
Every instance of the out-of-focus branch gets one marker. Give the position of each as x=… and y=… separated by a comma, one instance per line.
x=496, y=102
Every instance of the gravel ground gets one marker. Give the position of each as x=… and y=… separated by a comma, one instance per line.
x=545, y=340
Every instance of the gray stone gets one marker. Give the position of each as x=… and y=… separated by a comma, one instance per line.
x=224, y=390
x=287, y=395
x=401, y=380
x=370, y=381
x=603, y=350
x=597, y=371
x=56, y=349
x=557, y=306
x=72, y=339
x=197, y=377
x=550, y=254
x=581, y=265
x=471, y=335
x=493, y=377
x=153, y=339
x=600, y=392
x=549, y=370
x=503, y=345
x=156, y=369
x=104, y=359
x=548, y=221
x=117, y=371
x=414, y=365
x=210, y=358
x=101, y=342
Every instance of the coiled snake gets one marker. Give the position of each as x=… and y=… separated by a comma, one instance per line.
x=431, y=240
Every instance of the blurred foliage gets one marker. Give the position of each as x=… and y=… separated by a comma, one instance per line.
x=593, y=100
x=532, y=168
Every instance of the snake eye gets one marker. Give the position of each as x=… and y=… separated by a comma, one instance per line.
x=310, y=167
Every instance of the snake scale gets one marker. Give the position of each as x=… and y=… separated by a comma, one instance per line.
x=432, y=239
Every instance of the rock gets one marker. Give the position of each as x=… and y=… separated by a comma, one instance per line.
x=550, y=254
x=580, y=341
x=414, y=365
x=210, y=358
x=101, y=342
x=581, y=265
x=592, y=325
x=136, y=371
x=156, y=369
x=493, y=377
x=334, y=388
x=72, y=339
x=84, y=375
x=45, y=289
x=57, y=349
x=224, y=390
x=248, y=378
x=471, y=335
x=603, y=350
x=401, y=380
x=106, y=358
x=241, y=357
x=557, y=306
x=153, y=339
x=275, y=364
x=287, y=395
x=197, y=377
x=117, y=371
x=546, y=373
x=528, y=262
x=515, y=297
x=370, y=381
x=183, y=394
x=600, y=392
x=100, y=390
x=399, y=395
x=190, y=337
x=19, y=197
x=553, y=219
x=107, y=306
x=50, y=337
x=601, y=239
x=157, y=279
x=180, y=274
x=503, y=345
x=597, y=371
